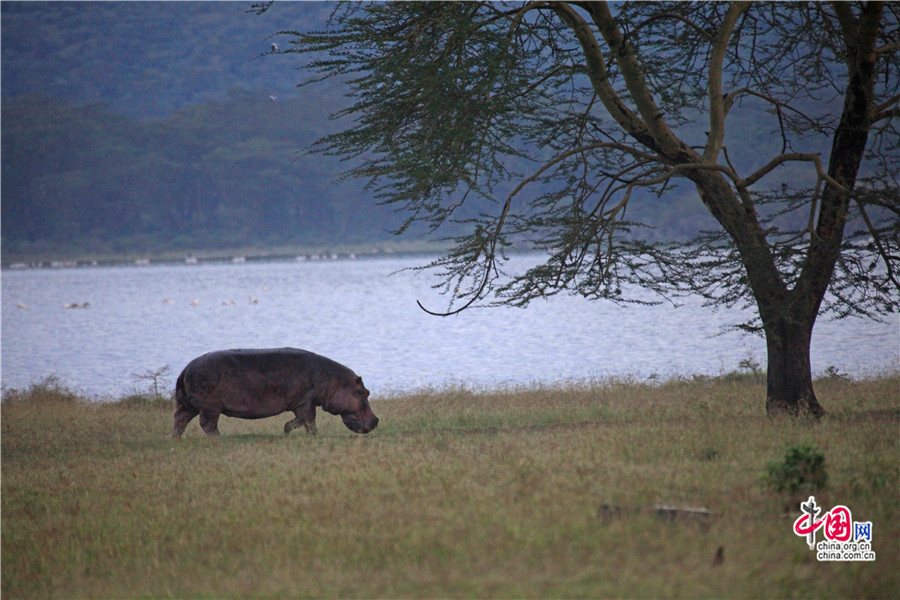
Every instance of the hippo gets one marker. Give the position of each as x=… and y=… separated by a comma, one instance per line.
x=254, y=384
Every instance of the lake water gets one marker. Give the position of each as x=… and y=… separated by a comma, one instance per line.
x=363, y=313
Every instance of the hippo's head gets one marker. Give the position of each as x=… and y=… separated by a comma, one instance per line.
x=351, y=401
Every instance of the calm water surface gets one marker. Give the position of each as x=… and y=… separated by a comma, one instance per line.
x=358, y=313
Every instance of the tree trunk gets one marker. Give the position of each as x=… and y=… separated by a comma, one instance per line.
x=787, y=315
x=788, y=333
x=789, y=374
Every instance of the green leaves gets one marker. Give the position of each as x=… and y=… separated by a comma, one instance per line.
x=802, y=470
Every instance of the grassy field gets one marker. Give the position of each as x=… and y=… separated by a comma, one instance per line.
x=456, y=494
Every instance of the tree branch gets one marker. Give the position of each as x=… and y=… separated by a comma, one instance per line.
x=887, y=48
x=776, y=103
x=886, y=110
x=710, y=38
x=877, y=239
x=783, y=158
x=717, y=99
x=599, y=77
x=491, y=249
x=665, y=141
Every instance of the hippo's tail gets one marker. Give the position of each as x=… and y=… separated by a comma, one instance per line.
x=180, y=394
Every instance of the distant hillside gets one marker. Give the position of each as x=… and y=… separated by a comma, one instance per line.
x=132, y=126
x=79, y=178
x=147, y=59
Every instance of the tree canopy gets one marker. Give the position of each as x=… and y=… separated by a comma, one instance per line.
x=555, y=119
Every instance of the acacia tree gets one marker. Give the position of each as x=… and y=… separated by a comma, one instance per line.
x=542, y=123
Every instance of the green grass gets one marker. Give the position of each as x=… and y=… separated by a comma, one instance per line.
x=456, y=494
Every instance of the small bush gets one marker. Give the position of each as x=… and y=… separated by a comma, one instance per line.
x=833, y=374
x=748, y=370
x=157, y=379
x=801, y=470
x=49, y=390
x=751, y=366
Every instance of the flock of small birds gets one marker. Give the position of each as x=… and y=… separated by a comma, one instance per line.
x=196, y=301
x=69, y=306
x=77, y=305
x=169, y=301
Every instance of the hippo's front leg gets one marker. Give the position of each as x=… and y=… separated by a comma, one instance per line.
x=305, y=417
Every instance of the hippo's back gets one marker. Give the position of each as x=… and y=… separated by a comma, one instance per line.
x=263, y=358
x=252, y=382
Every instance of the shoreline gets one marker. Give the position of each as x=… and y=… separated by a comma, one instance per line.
x=58, y=386
x=238, y=255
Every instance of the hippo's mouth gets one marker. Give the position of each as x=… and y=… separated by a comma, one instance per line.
x=357, y=426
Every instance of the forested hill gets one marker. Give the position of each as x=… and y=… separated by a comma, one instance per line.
x=80, y=179
x=155, y=127
x=151, y=126
x=147, y=59
x=213, y=175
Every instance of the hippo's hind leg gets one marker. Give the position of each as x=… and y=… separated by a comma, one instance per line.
x=209, y=422
x=183, y=416
x=305, y=417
